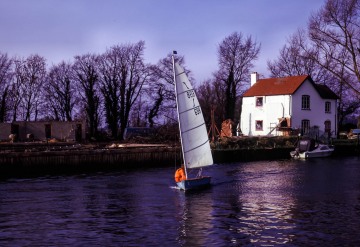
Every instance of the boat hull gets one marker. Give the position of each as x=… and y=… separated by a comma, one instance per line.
x=324, y=151
x=194, y=183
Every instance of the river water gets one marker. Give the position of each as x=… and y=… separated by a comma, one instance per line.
x=267, y=203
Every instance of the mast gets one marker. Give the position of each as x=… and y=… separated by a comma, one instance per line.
x=177, y=111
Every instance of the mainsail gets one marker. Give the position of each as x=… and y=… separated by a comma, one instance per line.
x=194, y=138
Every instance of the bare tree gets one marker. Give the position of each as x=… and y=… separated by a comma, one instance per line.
x=297, y=59
x=139, y=112
x=133, y=75
x=60, y=92
x=85, y=73
x=30, y=76
x=5, y=81
x=161, y=89
x=236, y=55
x=109, y=74
x=335, y=33
x=122, y=76
x=158, y=94
x=211, y=98
x=15, y=94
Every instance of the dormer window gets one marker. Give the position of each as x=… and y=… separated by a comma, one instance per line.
x=305, y=102
x=259, y=101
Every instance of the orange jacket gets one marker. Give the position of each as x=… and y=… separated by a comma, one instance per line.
x=180, y=175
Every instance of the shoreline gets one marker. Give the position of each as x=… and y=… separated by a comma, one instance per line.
x=32, y=159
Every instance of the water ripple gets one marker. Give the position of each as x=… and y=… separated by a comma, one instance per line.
x=283, y=203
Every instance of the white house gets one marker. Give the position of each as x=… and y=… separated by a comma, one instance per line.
x=295, y=104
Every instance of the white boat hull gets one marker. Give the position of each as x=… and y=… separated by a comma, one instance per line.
x=194, y=183
x=320, y=151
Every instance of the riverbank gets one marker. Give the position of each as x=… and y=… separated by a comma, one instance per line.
x=31, y=159
x=28, y=159
x=271, y=148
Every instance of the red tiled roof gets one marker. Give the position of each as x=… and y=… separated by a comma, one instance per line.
x=276, y=86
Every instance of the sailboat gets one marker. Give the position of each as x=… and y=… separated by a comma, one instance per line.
x=195, y=144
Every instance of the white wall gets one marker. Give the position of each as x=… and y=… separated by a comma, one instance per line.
x=274, y=107
x=316, y=114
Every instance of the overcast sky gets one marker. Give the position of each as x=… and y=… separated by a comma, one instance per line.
x=60, y=29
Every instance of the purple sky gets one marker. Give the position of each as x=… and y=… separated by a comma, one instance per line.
x=60, y=29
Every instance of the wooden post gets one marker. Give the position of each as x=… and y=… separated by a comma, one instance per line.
x=213, y=127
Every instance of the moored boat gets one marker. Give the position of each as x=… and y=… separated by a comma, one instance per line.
x=308, y=148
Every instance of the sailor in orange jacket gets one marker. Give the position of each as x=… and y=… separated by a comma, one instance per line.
x=180, y=174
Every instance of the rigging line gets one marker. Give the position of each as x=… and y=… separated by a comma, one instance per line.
x=196, y=147
x=193, y=128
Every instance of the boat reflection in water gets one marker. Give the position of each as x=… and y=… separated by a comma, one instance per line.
x=195, y=217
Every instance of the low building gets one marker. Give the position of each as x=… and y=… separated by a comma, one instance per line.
x=289, y=105
x=43, y=130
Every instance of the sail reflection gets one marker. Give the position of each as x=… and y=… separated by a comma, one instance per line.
x=195, y=217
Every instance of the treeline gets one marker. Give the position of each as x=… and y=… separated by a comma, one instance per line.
x=104, y=89
x=112, y=90
x=117, y=88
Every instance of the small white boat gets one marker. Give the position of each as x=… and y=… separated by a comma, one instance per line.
x=195, y=144
x=308, y=148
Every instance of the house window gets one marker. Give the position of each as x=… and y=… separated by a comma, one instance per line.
x=259, y=125
x=327, y=127
x=305, y=126
x=259, y=101
x=327, y=107
x=305, y=102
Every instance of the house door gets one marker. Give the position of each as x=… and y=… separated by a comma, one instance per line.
x=305, y=126
x=47, y=131
x=327, y=128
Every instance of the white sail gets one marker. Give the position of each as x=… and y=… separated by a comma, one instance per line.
x=194, y=138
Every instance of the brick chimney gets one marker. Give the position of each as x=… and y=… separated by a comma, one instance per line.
x=254, y=78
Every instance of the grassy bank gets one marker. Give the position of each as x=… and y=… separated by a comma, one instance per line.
x=254, y=143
